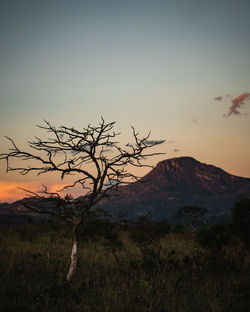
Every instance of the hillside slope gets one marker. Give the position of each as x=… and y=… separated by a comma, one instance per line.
x=176, y=182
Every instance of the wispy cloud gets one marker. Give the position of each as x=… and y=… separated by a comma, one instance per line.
x=237, y=102
x=154, y=142
x=218, y=98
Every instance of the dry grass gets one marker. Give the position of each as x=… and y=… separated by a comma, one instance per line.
x=34, y=261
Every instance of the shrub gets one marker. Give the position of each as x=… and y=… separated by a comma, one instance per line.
x=240, y=225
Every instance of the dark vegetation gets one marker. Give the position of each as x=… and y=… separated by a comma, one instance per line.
x=140, y=266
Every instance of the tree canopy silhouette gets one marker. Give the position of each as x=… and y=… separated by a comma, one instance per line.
x=93, y=156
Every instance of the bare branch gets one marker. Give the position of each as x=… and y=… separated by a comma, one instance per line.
x=68, y=151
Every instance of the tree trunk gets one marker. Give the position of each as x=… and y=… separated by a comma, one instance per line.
x=74, y=254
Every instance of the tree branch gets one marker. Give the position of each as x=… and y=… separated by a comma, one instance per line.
x=69, y=152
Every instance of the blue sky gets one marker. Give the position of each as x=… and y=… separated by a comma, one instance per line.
x=154, y=64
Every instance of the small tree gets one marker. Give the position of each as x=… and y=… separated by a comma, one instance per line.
x=240, y=225
x=93, y=156
x=194, y=215
x=147, y=235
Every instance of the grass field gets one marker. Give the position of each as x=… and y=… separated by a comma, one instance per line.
x=180, y=276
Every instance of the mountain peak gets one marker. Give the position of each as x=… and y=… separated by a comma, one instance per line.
x=175, y=182
x=185, y=165
x=177, y=161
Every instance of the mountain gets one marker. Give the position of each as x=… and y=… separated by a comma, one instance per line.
x=176, y=182
x=167, y=187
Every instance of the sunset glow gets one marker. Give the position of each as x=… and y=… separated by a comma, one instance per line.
x=10, y=191
x=180, y=69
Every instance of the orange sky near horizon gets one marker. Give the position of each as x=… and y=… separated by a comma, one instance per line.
x=10, y=191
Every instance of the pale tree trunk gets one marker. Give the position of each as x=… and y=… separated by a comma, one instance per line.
x=74, y=254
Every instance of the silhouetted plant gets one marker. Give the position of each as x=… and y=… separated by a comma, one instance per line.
x=193, y=215
x=241, y=220
x=225, y=250
x=93, y=156
x=216, y=236
x=179, y=228
x=102, y=228
x=147, y=235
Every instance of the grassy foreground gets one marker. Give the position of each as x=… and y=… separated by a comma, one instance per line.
x=179, y=276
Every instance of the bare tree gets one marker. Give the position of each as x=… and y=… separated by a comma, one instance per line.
x=92, y=155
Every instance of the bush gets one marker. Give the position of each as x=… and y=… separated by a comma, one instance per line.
x=214, y=237
x=240, y=225
x=147, y=235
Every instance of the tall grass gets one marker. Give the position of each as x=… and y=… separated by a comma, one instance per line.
x=182, y=278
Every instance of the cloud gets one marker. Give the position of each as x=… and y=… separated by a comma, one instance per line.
x=170, y=141
x=154, y=142
x=237, y=103
x=176, y=150
x=218, y=98
x=110, y=183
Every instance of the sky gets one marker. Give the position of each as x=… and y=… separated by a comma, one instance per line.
x=178, y=68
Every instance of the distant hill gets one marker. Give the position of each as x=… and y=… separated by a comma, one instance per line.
x=176, y=182
x=167, y=187
x=16, y=213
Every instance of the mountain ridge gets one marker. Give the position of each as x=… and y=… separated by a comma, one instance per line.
x=171, y=184
x=175, y=182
